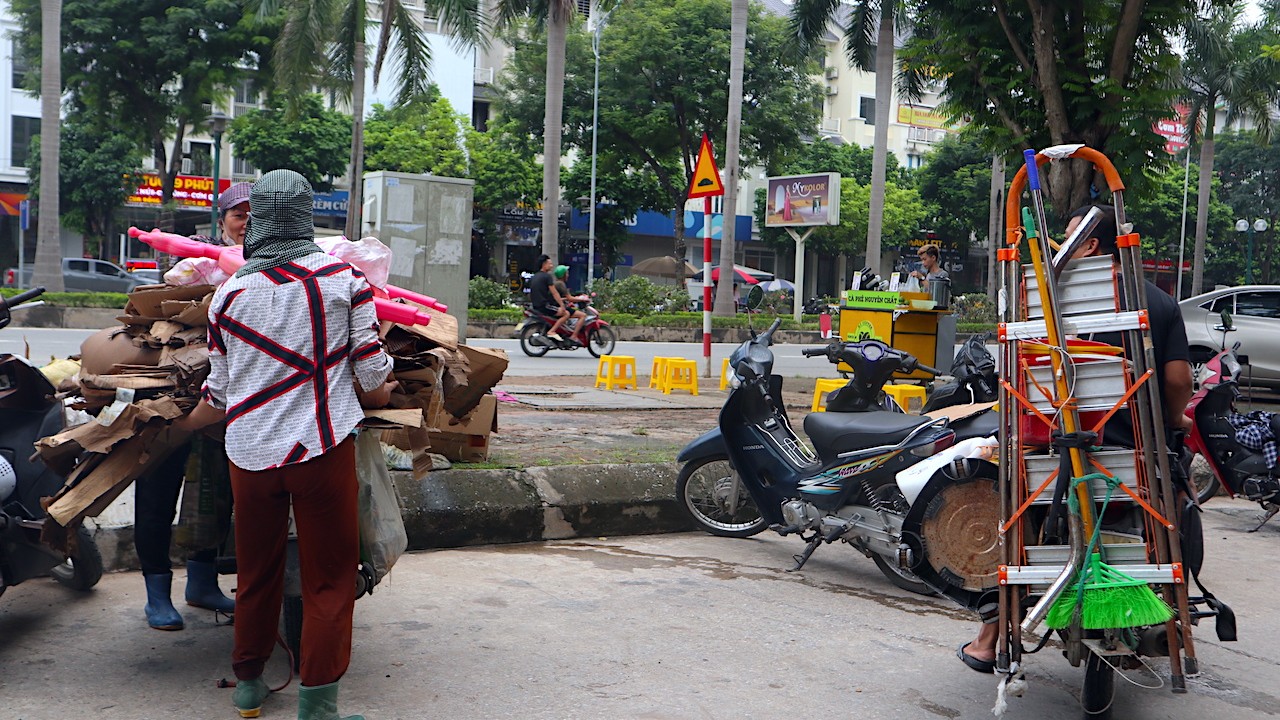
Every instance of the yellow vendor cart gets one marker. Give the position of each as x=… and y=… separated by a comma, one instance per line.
x=905, y=321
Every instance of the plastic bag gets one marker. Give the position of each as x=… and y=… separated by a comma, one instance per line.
x=204, y=514
x=369, y=255
x=382, y=535
x=195, y=271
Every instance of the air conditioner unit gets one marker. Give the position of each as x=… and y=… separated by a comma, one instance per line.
x=188, y=166
x=186, y=148
x=832, y=90
x=833, y=72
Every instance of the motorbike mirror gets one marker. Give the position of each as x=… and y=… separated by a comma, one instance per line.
x=4, y=315
x=755, y=297
x=1226, y=319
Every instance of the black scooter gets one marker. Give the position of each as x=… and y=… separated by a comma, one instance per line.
x=29, y=411
x=752, y=472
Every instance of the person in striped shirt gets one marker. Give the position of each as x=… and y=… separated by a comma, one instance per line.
x=294, y=353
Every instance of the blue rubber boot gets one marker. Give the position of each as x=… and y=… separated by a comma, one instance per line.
x=202, y=588
x=161, y=614
x=321, y=703
x=249, y=696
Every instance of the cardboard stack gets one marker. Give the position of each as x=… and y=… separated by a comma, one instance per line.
x=141, y=375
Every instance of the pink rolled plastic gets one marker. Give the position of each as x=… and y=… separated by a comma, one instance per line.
x=231, y=258
x=426, y=300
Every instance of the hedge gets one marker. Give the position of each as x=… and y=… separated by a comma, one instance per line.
x=114, y=301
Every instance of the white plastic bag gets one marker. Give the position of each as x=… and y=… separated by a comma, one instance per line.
x=195, y=271
x=369, y=255
x=382, y=535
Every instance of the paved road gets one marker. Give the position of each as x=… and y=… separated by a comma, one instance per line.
x=672, y=627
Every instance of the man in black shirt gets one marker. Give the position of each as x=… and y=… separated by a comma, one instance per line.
x=1173, y=377
x=545, y=299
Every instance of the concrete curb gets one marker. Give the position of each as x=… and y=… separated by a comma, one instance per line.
x=456, y=508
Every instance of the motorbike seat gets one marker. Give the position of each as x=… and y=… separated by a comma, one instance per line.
x=834, y=433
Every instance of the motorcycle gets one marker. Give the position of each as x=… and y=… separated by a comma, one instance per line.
x=591, y=332
x=31, y=412
x=974, y=378
x=1241, y=470
x=876, y=479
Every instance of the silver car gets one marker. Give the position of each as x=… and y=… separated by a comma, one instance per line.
x=1255, y=317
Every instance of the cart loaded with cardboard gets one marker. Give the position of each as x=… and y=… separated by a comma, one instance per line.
x=136, y=377
x=1088, y=537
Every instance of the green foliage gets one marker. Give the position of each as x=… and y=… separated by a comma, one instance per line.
x=483, y=293
x=1249, y=172
x=114, y=301
x=636, y=295
x=955, y=184
x=972, y=308
x=504, y=170
x=1158, y=219
x=424, y=135
x=145, y=68
x=656, y=95
x=98, y=169
x=1057, y=75
x=311, y=140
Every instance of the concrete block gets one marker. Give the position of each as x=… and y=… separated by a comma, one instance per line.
x=600, y=500
x=451, y=508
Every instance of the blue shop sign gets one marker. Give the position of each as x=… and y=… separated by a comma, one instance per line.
x=581, y=259
x=658, y=224
x=330, y=204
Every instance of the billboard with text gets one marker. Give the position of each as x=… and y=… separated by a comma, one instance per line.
x=803, y=200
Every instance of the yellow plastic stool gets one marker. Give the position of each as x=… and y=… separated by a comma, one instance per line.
x=820, y=390
x=681, y=375
x=658, y=374
x=902, y=394
x=616, y=371
x=724, y=373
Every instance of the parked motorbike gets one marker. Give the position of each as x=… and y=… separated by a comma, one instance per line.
x=591, y=332
x=752, y=472
x=1241, y=470
x=974, y=378
x=30, y=412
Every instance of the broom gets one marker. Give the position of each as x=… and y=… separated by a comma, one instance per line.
x=1105, y=597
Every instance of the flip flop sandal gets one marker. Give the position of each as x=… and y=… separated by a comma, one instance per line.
x=982, y=666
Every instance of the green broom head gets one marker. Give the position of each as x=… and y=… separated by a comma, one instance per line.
x=1106, y=598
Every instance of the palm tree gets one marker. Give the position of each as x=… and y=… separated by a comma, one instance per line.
x=871, y=23
x=737, y=58
x=308, y=55
x=48, y=264
x=1223, y=65
x=555, y=14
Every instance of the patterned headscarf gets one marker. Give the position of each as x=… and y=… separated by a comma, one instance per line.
x=281, y=227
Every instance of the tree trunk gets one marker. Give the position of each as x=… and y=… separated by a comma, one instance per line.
x=1202, y=204
x=48, y=262
x=724, y=304
x=880, y=147
x=355, y=201
x=995, y=225
x=557, y=29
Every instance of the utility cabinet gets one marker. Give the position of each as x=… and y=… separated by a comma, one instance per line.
x=426, y=221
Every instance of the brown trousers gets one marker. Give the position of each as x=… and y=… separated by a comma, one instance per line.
x=324, y=507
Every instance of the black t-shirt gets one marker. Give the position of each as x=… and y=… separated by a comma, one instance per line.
x=540, y=290
x=1168, y=339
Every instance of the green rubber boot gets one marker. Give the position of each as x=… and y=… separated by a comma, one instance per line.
x=321, y=703
x=249, y=696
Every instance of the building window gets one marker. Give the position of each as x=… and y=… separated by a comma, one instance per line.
x=246, y=98
x=480, y=116
x=867, y=110
x=199, y=160
x=21, y=130
x=241, y=167
x=19, y=65
x=759, y=259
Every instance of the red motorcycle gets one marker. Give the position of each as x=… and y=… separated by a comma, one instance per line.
x=590, y=332
x=1241, y=470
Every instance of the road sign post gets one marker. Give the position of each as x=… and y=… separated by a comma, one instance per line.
x=706, y=184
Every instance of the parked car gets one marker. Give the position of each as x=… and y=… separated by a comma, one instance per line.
x=1255, y=313
x=83, y=275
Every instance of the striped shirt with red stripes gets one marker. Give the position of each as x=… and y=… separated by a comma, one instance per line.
x=284, y=347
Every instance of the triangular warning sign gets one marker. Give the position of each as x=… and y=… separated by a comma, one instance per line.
x=706, y=176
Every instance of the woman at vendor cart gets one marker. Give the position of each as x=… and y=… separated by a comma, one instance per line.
x=294, y=353
x=156, y=494
x=1173, y=373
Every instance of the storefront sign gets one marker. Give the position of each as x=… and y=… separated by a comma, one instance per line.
x=921, y=117
x=188, y=191
x=872, y=299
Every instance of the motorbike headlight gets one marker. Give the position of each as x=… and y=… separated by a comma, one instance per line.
x=735, y=382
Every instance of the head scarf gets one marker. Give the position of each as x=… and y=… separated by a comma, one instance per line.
x=281, y=227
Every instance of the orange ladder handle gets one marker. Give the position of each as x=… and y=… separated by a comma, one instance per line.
x=1013, y=201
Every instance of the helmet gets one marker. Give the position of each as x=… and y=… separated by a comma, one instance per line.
x=562, y=270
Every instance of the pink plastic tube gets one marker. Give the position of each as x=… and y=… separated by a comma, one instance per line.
x=231, y=258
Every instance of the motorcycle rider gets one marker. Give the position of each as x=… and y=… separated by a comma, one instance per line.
x=567, y=299
x=546, y=299
x=1174, y=381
